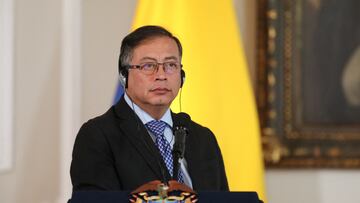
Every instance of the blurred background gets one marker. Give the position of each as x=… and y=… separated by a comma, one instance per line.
x=65, y=71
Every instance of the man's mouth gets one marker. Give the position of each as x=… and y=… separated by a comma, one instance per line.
x=159, y=90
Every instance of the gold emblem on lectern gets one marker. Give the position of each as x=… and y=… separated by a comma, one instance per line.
x=157, y=192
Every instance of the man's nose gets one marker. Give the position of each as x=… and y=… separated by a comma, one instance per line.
x=160, y=71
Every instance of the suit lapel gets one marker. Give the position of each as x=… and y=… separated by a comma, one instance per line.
x=135, y=131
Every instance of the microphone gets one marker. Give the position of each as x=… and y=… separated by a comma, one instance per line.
x=180, y=131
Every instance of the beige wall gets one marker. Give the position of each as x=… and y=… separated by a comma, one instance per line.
x=104, y=26
x=246, y=14
x=35, y=174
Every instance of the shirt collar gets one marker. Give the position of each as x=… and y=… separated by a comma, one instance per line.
x=145, y=117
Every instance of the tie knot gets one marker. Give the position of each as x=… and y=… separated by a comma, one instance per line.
x=156, y=127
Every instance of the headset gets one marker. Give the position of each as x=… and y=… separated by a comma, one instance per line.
x=124, y=74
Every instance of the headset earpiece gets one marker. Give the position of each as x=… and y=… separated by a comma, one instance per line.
x=182, y=75
x=123, y=78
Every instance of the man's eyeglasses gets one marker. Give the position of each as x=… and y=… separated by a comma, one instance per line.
x=150, y=68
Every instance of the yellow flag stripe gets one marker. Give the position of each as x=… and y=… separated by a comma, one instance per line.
x=217, y=91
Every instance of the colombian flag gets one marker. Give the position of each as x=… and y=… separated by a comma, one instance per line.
x=217, y=91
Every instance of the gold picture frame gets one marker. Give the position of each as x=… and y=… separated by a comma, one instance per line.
x=304, y=51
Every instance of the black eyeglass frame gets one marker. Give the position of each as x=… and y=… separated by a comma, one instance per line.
x=153, y=69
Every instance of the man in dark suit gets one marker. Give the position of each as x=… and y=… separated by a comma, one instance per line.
x=129, y=145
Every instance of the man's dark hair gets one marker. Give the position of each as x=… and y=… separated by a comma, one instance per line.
x=135, y=38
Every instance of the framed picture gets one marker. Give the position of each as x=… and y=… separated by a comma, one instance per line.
x=308, y=82
x=6, y=84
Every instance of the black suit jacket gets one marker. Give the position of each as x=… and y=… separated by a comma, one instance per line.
x=115, y=152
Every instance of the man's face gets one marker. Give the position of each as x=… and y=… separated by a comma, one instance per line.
x=158, y=89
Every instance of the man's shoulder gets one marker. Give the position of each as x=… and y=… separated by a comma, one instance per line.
x=198, y=126
x=105, y=119
x=194, y=127
x=115, y=113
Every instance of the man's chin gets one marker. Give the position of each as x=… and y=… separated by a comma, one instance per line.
x=161, y=102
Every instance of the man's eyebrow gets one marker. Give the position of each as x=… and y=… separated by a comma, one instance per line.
x=171, y=58
x=147, y=58
x=154, y=59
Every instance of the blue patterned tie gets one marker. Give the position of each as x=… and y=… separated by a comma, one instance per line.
x=157, y=128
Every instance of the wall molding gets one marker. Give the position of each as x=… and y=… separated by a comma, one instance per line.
x=6, y=84
x=70, y=88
